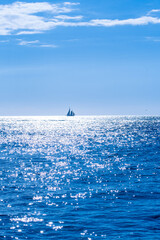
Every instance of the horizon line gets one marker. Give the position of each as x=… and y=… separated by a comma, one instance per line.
x=90, y=115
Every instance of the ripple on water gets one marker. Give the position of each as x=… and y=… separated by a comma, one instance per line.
x=79, y=178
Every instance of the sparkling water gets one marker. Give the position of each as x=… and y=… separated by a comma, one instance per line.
x=80, y=178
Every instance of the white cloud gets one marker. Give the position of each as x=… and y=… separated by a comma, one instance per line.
x=22, y=17
x=4, y=41
x=48, y=45
x=27, y=43
x=32, y=18
x=153, y=39
x=132, y=21
x=110, y=23
x=28, y=32
x=65, y=17
x=35, y=43
x=69, y=3
x=153, y=11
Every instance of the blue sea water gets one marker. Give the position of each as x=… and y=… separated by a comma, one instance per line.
x=80, y=178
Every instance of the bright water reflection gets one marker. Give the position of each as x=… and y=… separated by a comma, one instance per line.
x=80, y=178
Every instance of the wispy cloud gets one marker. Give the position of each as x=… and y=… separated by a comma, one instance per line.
x=153, y=39
x=35, y=43
x=65, y=17
x=132, y=21
x=32, y=18
x=48, y=45
x=27, y=43
x=153, y=11
x=28, y=32
x=4, y=41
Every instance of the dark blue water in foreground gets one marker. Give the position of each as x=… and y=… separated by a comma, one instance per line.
x=80, y=178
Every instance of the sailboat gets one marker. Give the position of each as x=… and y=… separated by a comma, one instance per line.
x=70, y=113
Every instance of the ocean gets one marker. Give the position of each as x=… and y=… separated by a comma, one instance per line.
x=91, y=178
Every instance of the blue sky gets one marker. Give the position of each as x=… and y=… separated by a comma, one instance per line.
x=99, y=57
